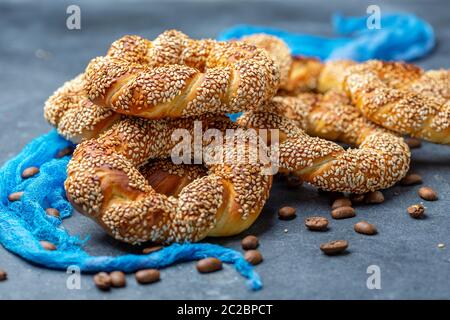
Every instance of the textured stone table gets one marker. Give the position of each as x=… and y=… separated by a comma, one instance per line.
x=38, y=53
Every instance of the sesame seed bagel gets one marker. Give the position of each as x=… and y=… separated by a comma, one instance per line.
x=175, y=76
x=74, y=115
x=109, y=182
x=380, y=160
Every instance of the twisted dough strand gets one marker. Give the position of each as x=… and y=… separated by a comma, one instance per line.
x=175, y=76
x=105, y=184
x=74, y=115
x=381, y=160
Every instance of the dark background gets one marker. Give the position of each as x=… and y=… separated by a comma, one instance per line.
x=38, y=53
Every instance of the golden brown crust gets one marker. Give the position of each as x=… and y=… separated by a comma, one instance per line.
x=381, y=160
x=278, y=51
x=175, y=76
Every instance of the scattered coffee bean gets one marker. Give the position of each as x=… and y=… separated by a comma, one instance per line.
x=29, y=172
x=416, y=211
x=316, y=223
x=52, y=212
x=250, y=242
x=208, y=265
x=411, y=179
x=286, y=213
x=343, y=213
x=15, y=196
x=64, y=152
x=426, y=193
x=253, y=256
x=341, y=202
x=151, y=249
x=413, y=143
x=334, y=247
x=365, y=228
x=47, y=245
x=374, y=197
x=147, y=276
x=357, y=198
x=3, y=275
x=118, y=279
x=103, y=281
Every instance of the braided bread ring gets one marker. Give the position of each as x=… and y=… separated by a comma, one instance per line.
x=395, y=96
x=381, y=160
x=105, y=184
x=74, y=115
x=277, y=49
x=175, y=76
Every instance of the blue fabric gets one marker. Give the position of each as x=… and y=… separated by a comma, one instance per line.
x=402, y=36
x=24, y=223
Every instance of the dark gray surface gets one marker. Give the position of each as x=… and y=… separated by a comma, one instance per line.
x=412, y=266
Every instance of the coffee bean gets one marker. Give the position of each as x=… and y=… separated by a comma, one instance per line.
x=334, y=247
x=253, y=256
x=47, y=245
x=365, y=228
x=64, y=152
x=411, y=179
x=286, y=213
x=413, y=143
x=426, y=193
x=250, y=242
x=374, y=197
x=341, y=202
x=118, y=279
x=147, y=276
x=3, y=275
x=343, y=213
x=416, y=211
x=151, y=249
x=357, y=198
x=209, y=265
x=29, y=172
x=316, y=223
x=15, y=196
x=52, y=212
x=103, y=281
